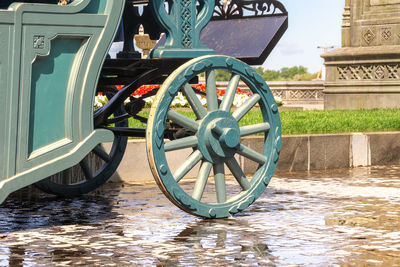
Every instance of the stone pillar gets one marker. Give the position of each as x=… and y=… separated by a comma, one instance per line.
x=365, y=72
x=346, y=25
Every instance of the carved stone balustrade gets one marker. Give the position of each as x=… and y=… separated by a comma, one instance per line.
x=292, y=92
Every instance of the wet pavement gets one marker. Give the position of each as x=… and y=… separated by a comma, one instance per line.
x=336, y=218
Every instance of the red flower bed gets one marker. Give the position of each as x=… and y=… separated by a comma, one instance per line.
x=144, y=89
x=220, y=92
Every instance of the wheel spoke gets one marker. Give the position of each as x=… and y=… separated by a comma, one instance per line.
x=65, y=176
x=230, y=93
x=237, y=172
x=190, y=141
x=194, y=102
x=183, y=120
x=201, y=181
x=219, y=178
x=190, y=162
x=99, y=151
x=86, y=169
x=252, y=155
x=211, y=87
x=253, y=129
x=239, y=113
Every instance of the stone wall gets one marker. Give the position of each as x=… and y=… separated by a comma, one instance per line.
x=299, y=153
x=293, y=92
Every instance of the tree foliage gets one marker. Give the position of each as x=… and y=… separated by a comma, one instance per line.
x=296, y=73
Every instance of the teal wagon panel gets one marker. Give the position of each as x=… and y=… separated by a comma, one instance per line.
x=53, y=63
x=4, y=65
x=95, y=6
x=50, y=78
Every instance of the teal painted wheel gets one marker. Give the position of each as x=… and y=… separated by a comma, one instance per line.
x=216, y=140
x=92, y=172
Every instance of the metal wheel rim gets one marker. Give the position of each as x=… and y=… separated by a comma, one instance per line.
x=156, y=147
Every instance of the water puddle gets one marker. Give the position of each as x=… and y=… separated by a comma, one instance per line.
x=341, y=217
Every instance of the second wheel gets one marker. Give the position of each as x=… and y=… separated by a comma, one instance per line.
x=93, y=171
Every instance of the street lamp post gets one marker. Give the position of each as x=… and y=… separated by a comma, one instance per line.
x=326, y=48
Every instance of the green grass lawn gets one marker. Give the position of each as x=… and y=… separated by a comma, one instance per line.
x=322, y=121
x=339, y=121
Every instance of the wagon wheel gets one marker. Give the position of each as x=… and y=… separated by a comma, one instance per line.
x=93, y=171
x=216, y=141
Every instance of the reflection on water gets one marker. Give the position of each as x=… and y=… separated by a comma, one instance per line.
x=345, y=217
x=222, y=239
x=30, y=209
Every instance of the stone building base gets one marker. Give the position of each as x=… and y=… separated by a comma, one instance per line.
x=362, y=78
x=337, y=100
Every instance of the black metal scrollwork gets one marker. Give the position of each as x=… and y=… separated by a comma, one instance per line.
x=233, y=9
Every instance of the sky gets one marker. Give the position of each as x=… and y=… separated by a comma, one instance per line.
x=312, y=23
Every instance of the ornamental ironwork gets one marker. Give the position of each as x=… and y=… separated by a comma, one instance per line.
x=232, y=9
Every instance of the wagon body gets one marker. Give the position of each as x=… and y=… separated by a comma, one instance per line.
x=50, y=60
x=53, y=63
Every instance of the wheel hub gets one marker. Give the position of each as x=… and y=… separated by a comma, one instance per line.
x=219, y=136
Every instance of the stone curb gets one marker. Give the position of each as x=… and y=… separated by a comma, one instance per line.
x=299, y=153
